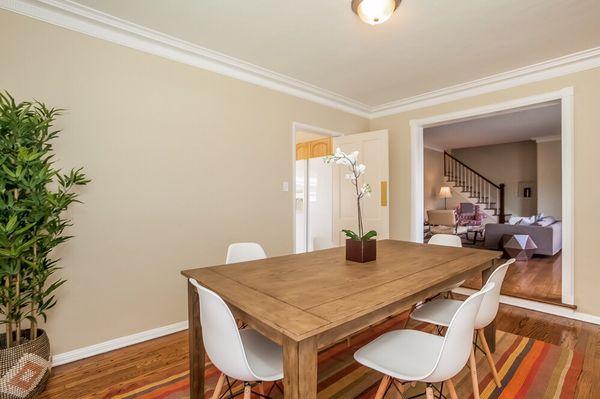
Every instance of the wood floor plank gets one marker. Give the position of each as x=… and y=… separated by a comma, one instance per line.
x=538, y=279
x=110, y=373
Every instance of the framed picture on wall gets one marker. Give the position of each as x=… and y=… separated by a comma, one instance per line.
x=527, y=189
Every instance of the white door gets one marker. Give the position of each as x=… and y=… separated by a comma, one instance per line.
x=373, y=152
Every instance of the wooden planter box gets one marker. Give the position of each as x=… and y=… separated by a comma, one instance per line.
x=361, y=251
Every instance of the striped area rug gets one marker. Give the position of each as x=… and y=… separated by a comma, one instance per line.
x=528, y=368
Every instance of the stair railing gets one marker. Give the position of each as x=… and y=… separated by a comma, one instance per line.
x=483, y=190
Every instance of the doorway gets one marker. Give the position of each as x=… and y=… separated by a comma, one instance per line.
x=324, y=203
x=313, y=188
x=496, y=178
x=565, y=98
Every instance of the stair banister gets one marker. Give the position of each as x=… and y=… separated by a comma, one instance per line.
x=476, y=184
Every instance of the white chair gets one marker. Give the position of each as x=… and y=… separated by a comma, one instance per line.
x=244, y=355
x=441, y=311
x=412, y=355
x=244, y=252
x=320, y=243
x=447, y=240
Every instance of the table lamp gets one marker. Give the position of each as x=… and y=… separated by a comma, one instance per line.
x=445, y=193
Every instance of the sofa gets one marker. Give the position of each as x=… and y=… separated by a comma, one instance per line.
x=547, y=238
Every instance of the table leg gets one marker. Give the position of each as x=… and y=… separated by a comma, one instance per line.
x=300, y=369
x=196, y=346
x=490, y=330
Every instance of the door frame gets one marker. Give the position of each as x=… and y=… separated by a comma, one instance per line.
x=299, y=126
x=565, y=96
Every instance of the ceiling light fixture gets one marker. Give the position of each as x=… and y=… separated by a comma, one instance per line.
x=374, y=12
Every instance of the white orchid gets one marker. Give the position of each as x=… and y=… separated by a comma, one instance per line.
x=360, y=169
x=366, y=190
x=356, y=171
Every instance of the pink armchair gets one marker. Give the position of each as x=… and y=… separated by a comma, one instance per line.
x=469, y=214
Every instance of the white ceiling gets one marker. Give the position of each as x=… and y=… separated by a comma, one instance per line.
x=517, y=125
x=426, y=45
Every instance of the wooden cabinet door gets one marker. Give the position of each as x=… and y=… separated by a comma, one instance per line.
x=302, y=151
x=320, y=148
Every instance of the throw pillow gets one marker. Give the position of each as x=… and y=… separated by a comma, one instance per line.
x=528, y=221
x=547, y=221
x=514, y=220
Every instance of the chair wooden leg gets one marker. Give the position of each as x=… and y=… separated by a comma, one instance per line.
x=247, y=392
x=261, y=388
x=451, y=389
x=474, y=378
x=489, y=357
x=412, y=309
x=385, y=383
x=219, y=386
x=400, y=388
x=429, y=392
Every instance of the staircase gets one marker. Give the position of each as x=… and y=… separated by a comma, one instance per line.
x=475, y=188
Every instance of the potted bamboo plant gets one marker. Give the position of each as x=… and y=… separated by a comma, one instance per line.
x=34, y=196
x=360, y=246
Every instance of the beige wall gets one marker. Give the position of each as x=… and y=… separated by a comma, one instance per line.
x=183, y=162
x=587, y=163
x=510, y=164
x=549, y=172
x=433, y=175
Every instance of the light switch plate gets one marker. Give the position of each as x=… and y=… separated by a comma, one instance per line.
x=285, y=186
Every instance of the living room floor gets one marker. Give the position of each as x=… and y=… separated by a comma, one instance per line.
x=539, y=279
x=110, y=374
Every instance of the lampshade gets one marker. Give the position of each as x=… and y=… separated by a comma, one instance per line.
x=374, y=12
x=445, y=192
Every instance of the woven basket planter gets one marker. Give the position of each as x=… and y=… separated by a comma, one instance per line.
x=24, y=369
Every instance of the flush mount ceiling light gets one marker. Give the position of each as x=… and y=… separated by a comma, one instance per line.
x=374, y=12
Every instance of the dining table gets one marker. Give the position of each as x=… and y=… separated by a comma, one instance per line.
x=309, y=301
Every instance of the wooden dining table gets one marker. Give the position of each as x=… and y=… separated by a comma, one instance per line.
x=306, y=302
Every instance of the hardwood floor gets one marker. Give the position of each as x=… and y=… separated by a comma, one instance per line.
x=106, y=375
x=539, y=279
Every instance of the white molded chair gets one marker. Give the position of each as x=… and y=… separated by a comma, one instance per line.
x=441, y=311
x=320, y=243
x=244, y=355
x=244, y=252
x=412, y=355
x=447, y=240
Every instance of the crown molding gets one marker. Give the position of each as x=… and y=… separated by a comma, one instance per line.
x=89, y=21
x=86, y=20
x=432, y=148
x=546, y=139
x=576, y=62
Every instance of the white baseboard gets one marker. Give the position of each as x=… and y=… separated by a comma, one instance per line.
x=540, y=307
x=121, y=342
x=117, y=343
